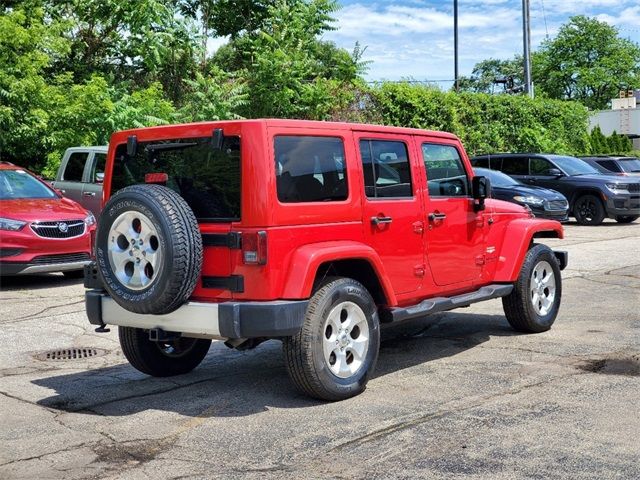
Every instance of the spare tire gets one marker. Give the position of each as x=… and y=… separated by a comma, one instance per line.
x=148, y=249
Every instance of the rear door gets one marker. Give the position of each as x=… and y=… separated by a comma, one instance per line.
x=392, y=210
x=454, y=238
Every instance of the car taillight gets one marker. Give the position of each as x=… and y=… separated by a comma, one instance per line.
x=160, y=178
x=254, y=248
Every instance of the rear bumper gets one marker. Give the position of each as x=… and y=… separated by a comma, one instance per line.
x=235, y=320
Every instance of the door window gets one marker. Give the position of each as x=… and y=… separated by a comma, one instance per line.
x=515, y=165
x=97, y=173
x=75, y=167
x=386, y=169
x=446, y=176
x=540, y=166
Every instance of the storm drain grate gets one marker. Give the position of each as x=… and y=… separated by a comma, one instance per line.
x=71, y=354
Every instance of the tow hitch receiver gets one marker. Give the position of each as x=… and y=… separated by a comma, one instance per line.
x=159, y=335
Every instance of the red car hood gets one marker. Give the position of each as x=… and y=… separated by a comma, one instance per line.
x=42, y=209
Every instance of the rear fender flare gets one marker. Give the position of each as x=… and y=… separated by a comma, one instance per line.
x=518, y=237
x=306, y=260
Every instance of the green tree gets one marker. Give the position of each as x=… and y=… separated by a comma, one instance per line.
x=485, y=74
x=217, y=96
x=598, y=141
x=587, y=61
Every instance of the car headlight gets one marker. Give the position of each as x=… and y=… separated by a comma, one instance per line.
x=529, y=200
x=90, y=220
x=11, y=225
x=618, y=187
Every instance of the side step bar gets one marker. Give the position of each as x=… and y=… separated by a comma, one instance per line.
x=442, y=304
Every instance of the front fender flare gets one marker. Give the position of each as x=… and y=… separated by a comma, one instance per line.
x=517, y=239
x=306, y=260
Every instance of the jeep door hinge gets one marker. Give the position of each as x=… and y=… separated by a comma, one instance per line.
x=419, y=271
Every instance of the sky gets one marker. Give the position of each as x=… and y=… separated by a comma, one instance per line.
x=413, y=39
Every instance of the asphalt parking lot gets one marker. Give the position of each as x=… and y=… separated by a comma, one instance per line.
x=455, y=395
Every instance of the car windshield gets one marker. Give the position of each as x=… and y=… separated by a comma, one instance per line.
x=630, y=165
x=19, y=184
x=574, y=166
x=498, y=179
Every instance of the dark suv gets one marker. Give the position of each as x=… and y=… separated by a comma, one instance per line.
x=615, y=165
x=592, y=196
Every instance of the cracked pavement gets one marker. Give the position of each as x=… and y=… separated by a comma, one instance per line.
x=455, y=395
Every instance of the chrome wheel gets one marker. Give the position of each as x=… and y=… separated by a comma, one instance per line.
x=542, y=288
x=134, y=250
x=345, y=339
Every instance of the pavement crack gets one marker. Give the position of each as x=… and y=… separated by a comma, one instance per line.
x=45, y=310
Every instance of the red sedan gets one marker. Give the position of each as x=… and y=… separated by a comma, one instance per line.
x=40, y=231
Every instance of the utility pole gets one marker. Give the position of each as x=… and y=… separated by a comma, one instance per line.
x=526, y=41
x=455, y=44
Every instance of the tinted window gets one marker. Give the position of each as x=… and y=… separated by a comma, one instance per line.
x=631, y=165
x=386, y=169
x=207, y=178
x=515, y=166
x=75, y=167
x=609, y=165
x=16, y=184
x=446, y=176
x=480, y=162
x=310, y=169
x=574, y=166
x=99, y=161
x=540, y=166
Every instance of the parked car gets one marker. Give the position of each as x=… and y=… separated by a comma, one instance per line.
x=615, y=165
x=308, y=232
x=544, y=203
x=40, y=231
x=80, y=176
x=592, y=196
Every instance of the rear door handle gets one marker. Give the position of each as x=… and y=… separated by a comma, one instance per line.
x=88, y=194
x=380, y=220
x=434, y=217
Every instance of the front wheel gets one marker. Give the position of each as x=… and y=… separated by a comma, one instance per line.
x=334, y=354
x=161, y=359
x=626, y=218
x=589, y=210
x=533, y=304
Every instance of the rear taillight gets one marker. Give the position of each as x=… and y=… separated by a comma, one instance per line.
x=254, y=248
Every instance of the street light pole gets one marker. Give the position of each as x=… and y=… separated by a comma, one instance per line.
x=526, y=43
x=455, y=44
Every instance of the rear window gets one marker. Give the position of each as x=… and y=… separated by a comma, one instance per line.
x=515, y=165
x=207, y=178
x=310, y=169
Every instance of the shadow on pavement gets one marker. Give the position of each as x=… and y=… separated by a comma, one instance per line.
x=236, y=384
x=36, y=282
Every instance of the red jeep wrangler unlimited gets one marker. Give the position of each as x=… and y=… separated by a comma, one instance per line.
x=313, y=233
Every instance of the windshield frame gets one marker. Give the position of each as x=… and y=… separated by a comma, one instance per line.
x=51, y=193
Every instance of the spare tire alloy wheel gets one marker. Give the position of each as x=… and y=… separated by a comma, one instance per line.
x=133, y=250
x=148, y=249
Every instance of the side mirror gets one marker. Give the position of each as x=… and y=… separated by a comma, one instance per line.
x=554, y=172
x=480, y=189
x=99, y=177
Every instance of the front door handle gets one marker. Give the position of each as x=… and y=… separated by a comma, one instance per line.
x=380, y=220
x=89, y=194
x=436, y=217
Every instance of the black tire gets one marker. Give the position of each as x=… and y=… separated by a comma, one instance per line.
x=176, y=235
x=589, y=210
x=161, y=359
x=304, y=355
x=519, y=304
x=74, y=274
x=627, y=218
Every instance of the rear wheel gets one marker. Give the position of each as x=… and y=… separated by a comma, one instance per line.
x=626, y=218
x=335, y=352
x=161, y=359
x=589, y=210
x=533, y=304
